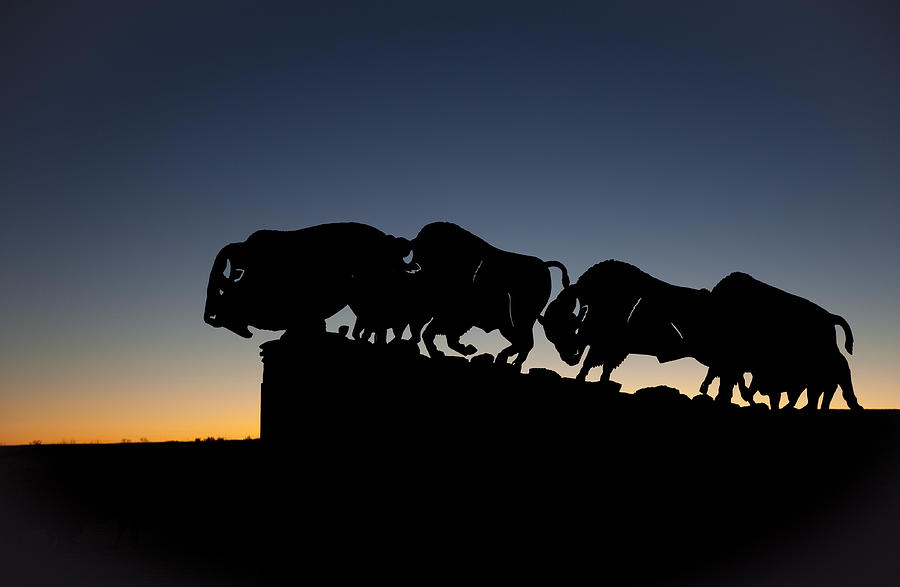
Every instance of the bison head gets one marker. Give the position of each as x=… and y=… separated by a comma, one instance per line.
x=561, y=326
x=224, y=293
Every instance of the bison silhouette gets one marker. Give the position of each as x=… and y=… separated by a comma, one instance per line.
x=294, y=280
x=622, y=311
x=390, y=301
x=468, y=282
x=787, y=342
x=742, y=325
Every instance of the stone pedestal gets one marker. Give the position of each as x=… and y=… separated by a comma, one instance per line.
x=328, y=386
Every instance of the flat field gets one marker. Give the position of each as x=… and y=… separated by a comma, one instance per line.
x=470, y=486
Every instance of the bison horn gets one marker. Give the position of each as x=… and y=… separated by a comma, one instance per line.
x=582, y=312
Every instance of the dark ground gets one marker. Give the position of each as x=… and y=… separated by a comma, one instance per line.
x=410, y=470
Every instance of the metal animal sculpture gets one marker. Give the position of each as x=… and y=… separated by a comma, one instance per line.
x=294, y=280
x=391, y=301
x=786, y=341
x=469, y=282
x=625, y=311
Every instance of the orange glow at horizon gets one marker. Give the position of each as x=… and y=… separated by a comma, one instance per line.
x=185, y=402
x=117, y=410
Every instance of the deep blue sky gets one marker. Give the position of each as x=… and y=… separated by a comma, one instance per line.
x=689, y=138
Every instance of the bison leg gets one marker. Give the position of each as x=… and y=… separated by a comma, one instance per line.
x=504, y=355
x=812, y=396
x=745, y=391
x=452, y=334
x=766, y=389
x=774, y=396
x=357, y=329
x=428, y=338
x=463, y=349
x=591, y=360
x=524, y=349
x=522, y=343
x=846, y=383
x=365, y=334
x=828, y=395
x=609, y=364
x=415, y=330
x=397, y=331
x=710, y=375
x=773, y=392
x=726, y=390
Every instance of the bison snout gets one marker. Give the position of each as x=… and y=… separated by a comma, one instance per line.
x=241, y=330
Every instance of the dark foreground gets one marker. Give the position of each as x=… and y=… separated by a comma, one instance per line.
x=468, y=477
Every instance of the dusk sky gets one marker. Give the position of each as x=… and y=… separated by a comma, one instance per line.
x=691, y=139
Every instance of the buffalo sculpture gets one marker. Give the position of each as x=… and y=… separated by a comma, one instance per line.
x=470, y=283
x=787, y=342
x=622, y=311
x=769, y=385
x=819, y=382
x=742, y=325
x=390, y=301
x=294, y=280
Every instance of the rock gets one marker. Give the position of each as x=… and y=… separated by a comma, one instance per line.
x=482, y=360
x=660, y=393
x=544, y=373
x=451, y=361
x=758, y=407
x=508, y=367
x=610, y=387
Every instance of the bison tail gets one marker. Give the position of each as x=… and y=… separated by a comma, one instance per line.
x=561, y=267
x=848, y=335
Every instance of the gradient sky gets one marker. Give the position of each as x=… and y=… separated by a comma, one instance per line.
x=691, y=139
